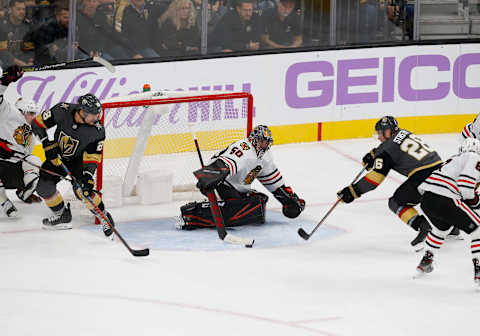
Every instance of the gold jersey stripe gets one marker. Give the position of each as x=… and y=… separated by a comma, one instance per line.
x=375, y=177
x=425, y=167
x=92, y=157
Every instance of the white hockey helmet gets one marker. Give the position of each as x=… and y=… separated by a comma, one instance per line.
x=470, y=145
x=27, y=105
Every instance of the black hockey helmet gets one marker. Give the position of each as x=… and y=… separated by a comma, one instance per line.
x=261, y=132
x=387, y=122
x=90, y=104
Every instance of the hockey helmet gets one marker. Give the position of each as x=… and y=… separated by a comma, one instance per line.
x=387, y=122
x=470, y=145
x=258, y=133
x=90, y=104
x=27, y=106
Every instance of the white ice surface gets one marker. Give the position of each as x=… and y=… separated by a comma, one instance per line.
x=354, y=278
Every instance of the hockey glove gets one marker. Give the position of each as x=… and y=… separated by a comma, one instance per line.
x=52, y=152
x=369, y=159
x=474, y=203
x=5, y=151
x=348, y=194
x=11, y=74
x=87, y=184
x=292, y=204
x=211, y=176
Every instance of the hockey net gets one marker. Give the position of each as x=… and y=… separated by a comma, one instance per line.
x=152, y=131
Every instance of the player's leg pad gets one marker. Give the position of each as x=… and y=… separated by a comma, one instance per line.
x=235, y=212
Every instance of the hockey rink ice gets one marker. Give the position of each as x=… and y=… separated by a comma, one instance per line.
x=353, y=277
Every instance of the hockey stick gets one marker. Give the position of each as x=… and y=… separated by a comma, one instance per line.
x=215, y=209
x=97, y=59
x=103, y=219
x=305, y=235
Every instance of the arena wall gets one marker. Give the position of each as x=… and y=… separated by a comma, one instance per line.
x=307, y=96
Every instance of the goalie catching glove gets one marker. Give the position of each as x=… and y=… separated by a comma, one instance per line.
x=209, y=177
x=292, y=204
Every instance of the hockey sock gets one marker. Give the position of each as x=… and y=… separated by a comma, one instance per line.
x=435, y=239
x=475, y=244
x=55, y=203
x=3, y=194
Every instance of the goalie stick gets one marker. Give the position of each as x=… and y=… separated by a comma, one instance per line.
x=302, y=233
x=216, y=213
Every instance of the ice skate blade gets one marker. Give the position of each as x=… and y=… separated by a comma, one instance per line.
x=64, y=226
x=419, y=274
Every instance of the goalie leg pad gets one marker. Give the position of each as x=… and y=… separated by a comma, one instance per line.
x=236, y=212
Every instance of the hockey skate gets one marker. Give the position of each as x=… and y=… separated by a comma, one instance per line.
x=423, y=229
x=9, y=209
x=454, y=234
x=59, y=221
x=426, y=264
x=107, y=231
x=476, y=271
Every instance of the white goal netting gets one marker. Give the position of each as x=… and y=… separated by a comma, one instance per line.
x=152, y=131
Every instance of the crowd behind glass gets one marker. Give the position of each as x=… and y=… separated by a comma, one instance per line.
x=35, y=32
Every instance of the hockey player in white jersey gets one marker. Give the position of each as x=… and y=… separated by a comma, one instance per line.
x=471, y=130
x=231, y=173
x=16, y=134
x=450, y=199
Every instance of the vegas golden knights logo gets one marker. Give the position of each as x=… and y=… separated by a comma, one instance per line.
x=252, y=175
x=68, y=145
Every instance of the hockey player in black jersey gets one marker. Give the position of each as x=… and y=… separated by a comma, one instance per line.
x=408, y=155
x=78, y=143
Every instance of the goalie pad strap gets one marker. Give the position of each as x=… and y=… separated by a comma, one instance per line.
x=235, y=212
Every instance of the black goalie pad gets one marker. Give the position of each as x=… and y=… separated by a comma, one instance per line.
x=236, y=212
x=212, y=175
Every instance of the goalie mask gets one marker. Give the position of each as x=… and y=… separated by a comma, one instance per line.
x=470, y=145
x=261, y=139
x=90, y=105
x=27, y=106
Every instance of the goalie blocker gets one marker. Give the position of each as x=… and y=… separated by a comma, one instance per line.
x=231, y=174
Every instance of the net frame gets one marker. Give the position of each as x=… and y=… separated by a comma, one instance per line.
x=183, y=97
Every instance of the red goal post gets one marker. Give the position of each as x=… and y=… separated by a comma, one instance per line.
x=170, y=99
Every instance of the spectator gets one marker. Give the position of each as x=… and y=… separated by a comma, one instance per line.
x=215, y=9
x=179, y=34
x=239, y=29
x=16, y=46
x=50, y=39
x=96, y=35
x=281, y=26
x=137, y=27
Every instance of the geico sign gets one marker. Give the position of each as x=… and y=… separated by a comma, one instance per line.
x=386, y=92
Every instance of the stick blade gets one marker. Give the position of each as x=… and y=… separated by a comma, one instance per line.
x=229, y=238
x=303, y=234
x=105, y=63
x=140, y=253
